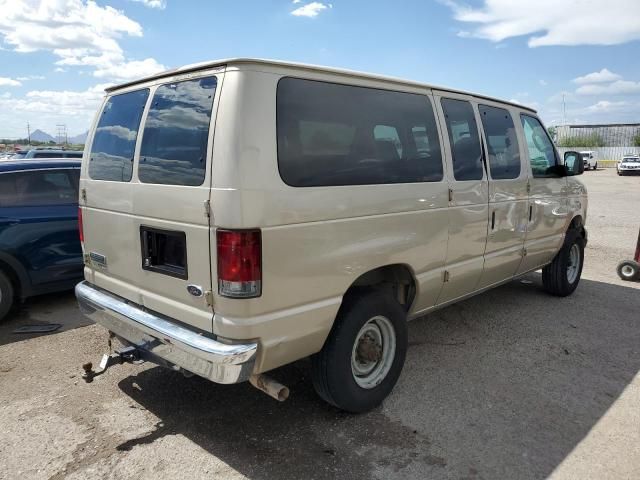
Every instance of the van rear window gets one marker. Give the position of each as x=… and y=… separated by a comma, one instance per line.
x=331, y=134
x=114, y=142
x=176, y=133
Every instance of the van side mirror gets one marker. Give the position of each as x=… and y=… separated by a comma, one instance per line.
x=574, y=163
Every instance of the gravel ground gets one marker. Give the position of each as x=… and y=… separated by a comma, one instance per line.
x=510, y=384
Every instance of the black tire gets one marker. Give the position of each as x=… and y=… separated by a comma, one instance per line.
x=555, y=277
x=6, y=295
x=595, y=167
x=629, y=270
x=332, y=372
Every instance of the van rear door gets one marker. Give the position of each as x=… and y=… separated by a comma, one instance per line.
x=146, y=178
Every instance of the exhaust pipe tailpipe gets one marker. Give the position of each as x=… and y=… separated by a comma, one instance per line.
x=269, y=386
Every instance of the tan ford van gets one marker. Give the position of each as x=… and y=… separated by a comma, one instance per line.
x=243, y=214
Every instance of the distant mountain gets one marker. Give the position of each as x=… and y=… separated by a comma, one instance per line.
x=79, y=138
x=40, y=136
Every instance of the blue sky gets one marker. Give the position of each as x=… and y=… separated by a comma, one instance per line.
x=56, y=56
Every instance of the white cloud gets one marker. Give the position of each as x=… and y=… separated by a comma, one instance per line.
x=311, y=10
x=79, y=33
x=130, y=70
x=619, y=87
x=607, y=106
x=9, y=82
x=550, y=22
x=543, y=83
x=603, y=76
x=45, y=108
x=297, y=1
x=159, y=4
x=30, y=77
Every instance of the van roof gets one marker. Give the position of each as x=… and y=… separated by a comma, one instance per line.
x=303, y=66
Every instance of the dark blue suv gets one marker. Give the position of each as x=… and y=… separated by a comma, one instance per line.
x=40, y=248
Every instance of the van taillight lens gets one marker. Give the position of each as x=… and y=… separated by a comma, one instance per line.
x=80, y=226
x=239, y=263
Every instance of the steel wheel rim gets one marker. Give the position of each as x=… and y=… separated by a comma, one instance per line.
x=377, y=333
x=574, y=263
x=626, y=270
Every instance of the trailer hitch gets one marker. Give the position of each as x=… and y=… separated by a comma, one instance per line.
x=124, y=355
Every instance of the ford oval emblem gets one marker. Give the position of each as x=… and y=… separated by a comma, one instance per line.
x=194, y=290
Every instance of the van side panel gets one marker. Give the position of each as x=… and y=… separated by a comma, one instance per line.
x=508, y=205
x=316, y=241
x=468, y=214
x=549, y=214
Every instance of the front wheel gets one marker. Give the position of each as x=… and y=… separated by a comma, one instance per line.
x=362, y=359
x=561, y=277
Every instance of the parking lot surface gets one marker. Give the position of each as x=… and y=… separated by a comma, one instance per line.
x=512, y=383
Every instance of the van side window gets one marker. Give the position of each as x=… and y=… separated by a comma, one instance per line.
x=542, y=154
x=464, y=139
x=114, y=142
x=502, y=142
x=331, y=134
x=176, y=133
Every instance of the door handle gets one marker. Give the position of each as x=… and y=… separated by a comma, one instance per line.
x=493, y=220
x=530, y=212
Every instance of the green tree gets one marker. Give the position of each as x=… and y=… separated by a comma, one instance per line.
x=636, y=140
x=594, y=140
x=552, y=132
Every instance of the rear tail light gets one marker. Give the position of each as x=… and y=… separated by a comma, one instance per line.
x=239, y=263
x=80, y=226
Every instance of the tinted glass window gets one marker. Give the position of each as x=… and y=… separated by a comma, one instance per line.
x=73, y=155
x=38, y=188
x=175, y=137
x=114, y=142
x=542, y=155
x=47, y=155
x=502, y=142
x=330, y=134
x=464, y=139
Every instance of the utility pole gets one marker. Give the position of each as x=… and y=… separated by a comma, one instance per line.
x=564, y=111
x=61, y=133
x=29, y=133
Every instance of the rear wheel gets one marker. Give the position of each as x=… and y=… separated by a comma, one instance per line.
x=6, y=295
x=595, y=167
x=629, y=270
x=362, y=359
x=561, y=277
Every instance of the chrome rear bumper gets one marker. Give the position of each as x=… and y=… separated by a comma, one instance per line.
x=172, y=344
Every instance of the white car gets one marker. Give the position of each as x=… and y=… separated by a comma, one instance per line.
x=630, y=164
x=590, y=160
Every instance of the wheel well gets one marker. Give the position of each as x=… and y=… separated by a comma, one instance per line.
x=398, y=278
x=13, y=278
x=578, y=224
